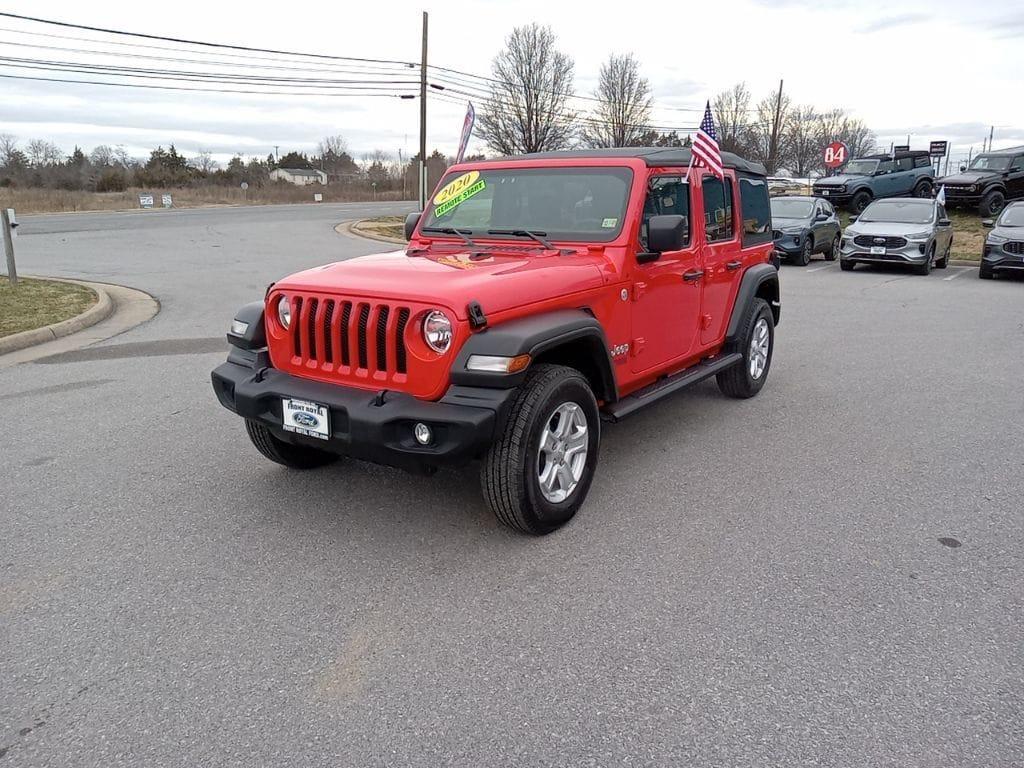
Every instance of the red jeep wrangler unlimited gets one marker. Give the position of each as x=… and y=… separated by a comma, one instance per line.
x=537, y=296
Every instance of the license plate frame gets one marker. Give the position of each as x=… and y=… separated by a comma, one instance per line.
x=878, y=250
x=305, y=417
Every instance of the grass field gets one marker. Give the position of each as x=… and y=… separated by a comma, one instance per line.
x=35, y=303
x=389, y=226
x=60, y=201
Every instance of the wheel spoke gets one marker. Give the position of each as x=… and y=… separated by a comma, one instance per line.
x=547, y=477
x=565, y=478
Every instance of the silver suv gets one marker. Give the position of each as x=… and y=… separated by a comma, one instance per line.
x=900, y=230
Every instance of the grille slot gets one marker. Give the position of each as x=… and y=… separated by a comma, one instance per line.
x=382, y=337
x=346, y=316
x=364, y=318
x=403, y=320
x=311, y=325
x=866, y=241
x=328, y=338
x=1014, y=247
x=297, y=326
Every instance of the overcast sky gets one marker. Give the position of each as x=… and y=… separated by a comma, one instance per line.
x=936, y=69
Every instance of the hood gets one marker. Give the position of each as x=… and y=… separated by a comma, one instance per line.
x=885, y=228
x=450, y=277
x=838, y=181
x=779, y=222
x=1010, y=233
x=966, y=178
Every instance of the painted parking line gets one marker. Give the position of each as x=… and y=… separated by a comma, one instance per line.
x=818, y=269
x=957, y=274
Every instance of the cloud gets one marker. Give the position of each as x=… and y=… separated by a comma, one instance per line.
x=892, y=22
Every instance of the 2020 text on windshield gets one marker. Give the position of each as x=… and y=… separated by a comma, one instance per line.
x=574, y=204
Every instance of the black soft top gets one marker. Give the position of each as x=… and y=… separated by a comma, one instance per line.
x=654, y=157
x=897, y=155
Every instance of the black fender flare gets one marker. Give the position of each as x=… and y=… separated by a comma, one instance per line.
x=255, y=336
x=544, y=333
x=993, y=186
x=760, y=280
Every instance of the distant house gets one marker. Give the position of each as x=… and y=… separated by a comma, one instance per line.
x=299, y=176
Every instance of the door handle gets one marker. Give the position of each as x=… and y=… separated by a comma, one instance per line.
x=693, y=275
x=732, y=266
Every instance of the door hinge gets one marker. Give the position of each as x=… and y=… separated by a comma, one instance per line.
x=637, y=346
x=705, y=322
x=638, y=290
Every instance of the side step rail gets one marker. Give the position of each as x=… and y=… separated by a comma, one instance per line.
x=652, y=393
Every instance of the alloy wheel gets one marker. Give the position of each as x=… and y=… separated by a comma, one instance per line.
x=760, y=341
x=562, y=454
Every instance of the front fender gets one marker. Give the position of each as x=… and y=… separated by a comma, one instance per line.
x=761, y=280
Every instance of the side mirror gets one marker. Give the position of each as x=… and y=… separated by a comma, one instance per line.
x=988, y=223
x=853, y=218
x=821, y=217
x=666, y=233
x=411, y=220
x=944, y=222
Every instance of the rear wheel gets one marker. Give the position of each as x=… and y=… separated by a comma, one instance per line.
x=944, y=261
x=833, y=249
x=756, y=343
x=992, y=203
x=280, y=452
x=538, y=471
x=923, y=189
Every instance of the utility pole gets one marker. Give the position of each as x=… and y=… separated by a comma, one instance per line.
x=276, y=155
x=991, y=132
x=423, y=119
x=774, y=147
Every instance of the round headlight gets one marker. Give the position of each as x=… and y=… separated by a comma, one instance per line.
x=437, y=331
x=284, y=311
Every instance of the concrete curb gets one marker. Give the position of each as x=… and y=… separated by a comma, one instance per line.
x=963, y=263
x=99, y=311
x=351, y=228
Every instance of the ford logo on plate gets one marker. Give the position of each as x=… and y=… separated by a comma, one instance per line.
x=306, y=420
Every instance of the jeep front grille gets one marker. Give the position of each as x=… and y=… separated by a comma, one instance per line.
x=867, y=241
x=344, y=336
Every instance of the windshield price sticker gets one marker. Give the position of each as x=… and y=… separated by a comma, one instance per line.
x=456, y=192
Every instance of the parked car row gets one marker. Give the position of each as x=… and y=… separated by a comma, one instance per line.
x=909, y=231
x=991, y=180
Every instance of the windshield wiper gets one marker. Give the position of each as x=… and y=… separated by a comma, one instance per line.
x=452, y=231
x=532, y=234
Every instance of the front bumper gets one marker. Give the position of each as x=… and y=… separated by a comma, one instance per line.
x=838, y=198
x=914, y=252
x=955, y=198
x=1000, y=261
x=789, y=245
x=367, y=425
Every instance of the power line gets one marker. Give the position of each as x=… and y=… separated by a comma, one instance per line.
x=227, y=46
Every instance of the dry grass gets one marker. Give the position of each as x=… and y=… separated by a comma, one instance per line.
x=35, y=303
x=59, y=201
x=390, y=226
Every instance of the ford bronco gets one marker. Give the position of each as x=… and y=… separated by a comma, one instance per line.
x=537, y=296
x=898, y=174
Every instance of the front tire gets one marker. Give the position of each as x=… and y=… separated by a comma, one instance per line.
x=833, y=250
x=926, y=268
x=985, y=273
x=804, y=257
x=860, y=201
x=756, y=343
x=992, y=204
x=286, y=454
x=846, y=266
x=537, y=473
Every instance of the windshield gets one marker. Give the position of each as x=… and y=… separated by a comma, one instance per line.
x=861, y=167
x=586, y=204
x=899, y=212
x=990, y=163
x=791, y=209
x=1012, y=217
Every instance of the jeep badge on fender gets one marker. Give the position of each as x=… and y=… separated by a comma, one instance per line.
x=488, y=338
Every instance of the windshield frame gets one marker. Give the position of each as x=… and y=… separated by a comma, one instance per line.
x=1007, y=159
x=889, y=203
x=624, y=170
x=874, y=168
x=784, y=200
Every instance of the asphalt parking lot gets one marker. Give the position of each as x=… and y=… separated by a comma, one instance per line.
x=828, y=574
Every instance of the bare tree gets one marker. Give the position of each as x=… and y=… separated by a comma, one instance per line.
x=42, y=153
x=624, y=105
x=102, y=156
x=8, y=146
x=731, y=110
x=527, y=110
x=122, y=157
x=334, y=157
x=333, y=145
x=767, y=139
x=204, y=162
x=803, y=146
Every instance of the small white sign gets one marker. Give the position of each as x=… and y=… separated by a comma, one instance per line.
x=146, y=201
x=318, y=198
x=245, y=185
x=166, y=200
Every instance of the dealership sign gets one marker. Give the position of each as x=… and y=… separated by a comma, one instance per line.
x=836, y=154
x=938, y=148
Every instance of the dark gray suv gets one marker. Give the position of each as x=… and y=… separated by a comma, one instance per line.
x=804, y=226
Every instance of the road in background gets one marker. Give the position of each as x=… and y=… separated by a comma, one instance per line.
x=766, y=582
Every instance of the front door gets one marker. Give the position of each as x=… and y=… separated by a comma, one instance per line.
x=1015, y=181
x=666, y=297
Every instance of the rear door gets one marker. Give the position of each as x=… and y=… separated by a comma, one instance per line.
x=1015, y=181
x=722, y=259
x=666, y=303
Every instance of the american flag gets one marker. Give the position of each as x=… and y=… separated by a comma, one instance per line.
x=705, y=152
